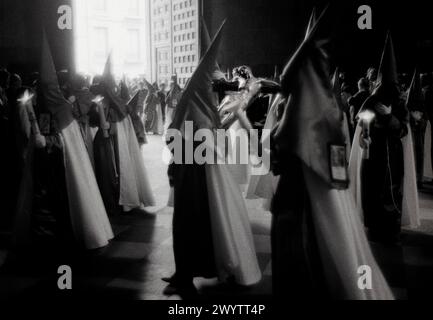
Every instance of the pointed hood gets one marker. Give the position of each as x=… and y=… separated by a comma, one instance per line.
x=108, y=84
x=124, y=91
x=312, y=118
x=311, y=22
x=386, y=89
x=52, y=96
x=107, y=76
x=276, y=76
x=415, y=97
x=150, y=88
x=205, y=39
x=198, y=102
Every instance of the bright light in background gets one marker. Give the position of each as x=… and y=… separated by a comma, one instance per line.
x=119, y=27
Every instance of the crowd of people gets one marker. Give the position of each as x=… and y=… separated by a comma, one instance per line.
x=74, y=157
x=74, y=150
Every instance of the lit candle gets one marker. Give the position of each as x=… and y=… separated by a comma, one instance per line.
x=26, y=100
x=366, y=118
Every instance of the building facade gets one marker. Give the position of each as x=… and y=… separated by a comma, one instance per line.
x=174, y=39
x=111, y=26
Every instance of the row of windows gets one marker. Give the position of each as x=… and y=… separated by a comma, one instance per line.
x=161, y=9
x=185, y=48
x=160, y=22
x=184, y=15
x=161, y=36
x=188, y=58
x=183, y=70
x=166, y=7
x=177, y=27
x=183, y=4
x=184, y=26
x=165, y=35
x=185, y=36
x=183, y=81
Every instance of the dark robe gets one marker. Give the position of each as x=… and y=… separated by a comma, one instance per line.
x=7, y=176
x=297, y=272
x=81, y=108
x=382, y=174
x=42, y=206
x=151, y=104
x=134, y=108
x=173, y=98
x=162, y=96
x=192, y=233
x=106, y=155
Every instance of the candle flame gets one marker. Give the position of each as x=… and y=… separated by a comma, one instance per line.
x=98, y=99
x=366, y=116
x=26, y=97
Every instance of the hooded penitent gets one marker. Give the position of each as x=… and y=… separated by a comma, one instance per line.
x=418, y=122
x=317, y=232
x=220, y=239
x=264, y=186
x=132, y=105
x=90, y=224
x=119, y=163
x=152, y=109
x=391, y=139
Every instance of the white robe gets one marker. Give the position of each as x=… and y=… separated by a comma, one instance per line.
x=233, y=241
x=135, y=190
x=239, y=171
x=343, y=245
x=231, y=230
x=89, y=219
x=410, y=212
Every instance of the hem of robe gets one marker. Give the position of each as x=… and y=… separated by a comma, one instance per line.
x=342, y=242
x=135, y=187
x=89, y=218
x=410, y=205
x=234, y=248
x=193, y=244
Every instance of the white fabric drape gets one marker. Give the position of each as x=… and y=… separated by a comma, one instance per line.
x=239, y=171
x=343, y=245
x=233, y=240
x=160, y=123
x=135, y=187
x=88, y=216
